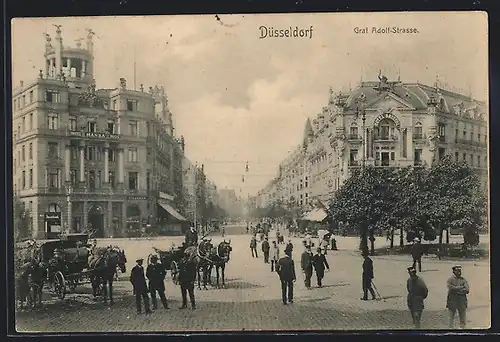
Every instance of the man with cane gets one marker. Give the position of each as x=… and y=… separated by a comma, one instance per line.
x=417, y=292
x=367, y=277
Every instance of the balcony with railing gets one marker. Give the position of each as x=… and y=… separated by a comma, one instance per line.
x=471, y=142
x=418, y=136
x=391, y=137
x=386, y=163
x=354, y=137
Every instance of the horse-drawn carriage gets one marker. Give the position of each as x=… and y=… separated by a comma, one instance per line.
x=58, y=265
x=205, y=255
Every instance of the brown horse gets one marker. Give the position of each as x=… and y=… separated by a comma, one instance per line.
x=103, y=266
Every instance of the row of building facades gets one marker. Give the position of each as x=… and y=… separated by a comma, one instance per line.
x=102, y=160
x=383, y=124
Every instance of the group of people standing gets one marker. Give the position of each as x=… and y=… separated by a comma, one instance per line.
x=155, y=274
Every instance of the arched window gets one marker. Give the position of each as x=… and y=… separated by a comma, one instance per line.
x=386, y=130
x=54, y=208
x=417, y=132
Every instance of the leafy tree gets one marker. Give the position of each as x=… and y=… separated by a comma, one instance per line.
x=22, y=221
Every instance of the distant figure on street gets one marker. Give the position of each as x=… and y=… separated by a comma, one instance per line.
x=247, y=229
x=417, y=292
x=333, y=242
x=416, y=253
x=223, y=231
x=320, y=263
x=286, y=271
x=306, y=263
x=191, y=237
x=187, y=276
x=367, y=277
x=265, y=249
x=458, y=289
x=138, y=281
x=275, y=255
x=253, y=247
x=156, y=274
x=289, y=248
x=308, y=239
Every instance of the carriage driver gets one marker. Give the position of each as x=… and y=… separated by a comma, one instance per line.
x=191, y=237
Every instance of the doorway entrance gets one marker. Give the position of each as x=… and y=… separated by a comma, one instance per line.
x=384, y=158
x=96, y=220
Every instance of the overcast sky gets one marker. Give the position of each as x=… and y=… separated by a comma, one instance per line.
x=236, y=97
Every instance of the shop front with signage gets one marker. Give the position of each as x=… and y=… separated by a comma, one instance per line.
x=53, y=225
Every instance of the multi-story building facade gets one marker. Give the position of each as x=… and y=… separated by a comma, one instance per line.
x=383, y=124
x=93, y=159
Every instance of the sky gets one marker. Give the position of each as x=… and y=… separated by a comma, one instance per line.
x=236, y=97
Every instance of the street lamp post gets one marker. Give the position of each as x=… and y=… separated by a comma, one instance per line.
x=68, y=200
x=363, y=118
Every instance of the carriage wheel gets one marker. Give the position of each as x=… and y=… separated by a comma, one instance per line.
x=59, y=285
x=174, y=270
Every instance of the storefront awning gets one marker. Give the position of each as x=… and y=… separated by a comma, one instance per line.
x=317, y=215
x=172, y=211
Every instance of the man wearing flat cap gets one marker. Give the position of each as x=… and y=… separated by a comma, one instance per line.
x=417, y=292
x=458, y=289
x=138, y=281
x=156, y=274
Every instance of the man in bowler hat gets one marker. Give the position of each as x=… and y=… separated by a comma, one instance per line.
x=138, y=281
x=286, y=271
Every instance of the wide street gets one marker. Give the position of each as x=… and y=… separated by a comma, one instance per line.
x=251, y=300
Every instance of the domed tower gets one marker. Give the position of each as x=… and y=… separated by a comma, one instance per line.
x=73, y=64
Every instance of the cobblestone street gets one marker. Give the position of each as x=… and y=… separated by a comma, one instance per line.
x=251, y=300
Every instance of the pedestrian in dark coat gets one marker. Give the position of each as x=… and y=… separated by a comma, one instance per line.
x=156, y=274
x=138, y=281
x=417, y=293
x=416, y=253
x=191, y=237
x=274, y=255
x=187, y=276
x=265, y=249
x=289, y=248
x=253, y=247
x=286, y=271
x=320, y=263
x=306, y=263
x=458, y=289
x=367, y=277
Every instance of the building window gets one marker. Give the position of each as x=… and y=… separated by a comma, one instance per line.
x=456, y=156
x=92, y=181
x=23, y=153
x=486, y=161
x=73, y=177
x=417, y=133
x=111, y=126
x=30, y=122
x=353, y=132
x=132, y=105
x=353, y=156
x=31, y=96
x=24, y=124
x=73, y=123
x=386, y=130
x=148, y=180
x=471, y=136
x=106, y=104
x=471, y=160
x=115, y=107
x=90, y=153
x=464, y=135
x=92, y=126
x=14, y=107
x=456, y=135
x=393, y=156
x=74, y=153
x=53, y=179
x=54, y=208
x=52, y=96
x=442, y=132
x=417, y=157
x=24, y=100
x=478, y=161
x=30, y=151
x=23, y=180
x=464, y=156
x=132, y=155
x=133, y=128
x=53, y=121
x=441, y=153
x=30, y=181
x=111, y=176
x=111, y=155
x=53, y=150
x=132, y=180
